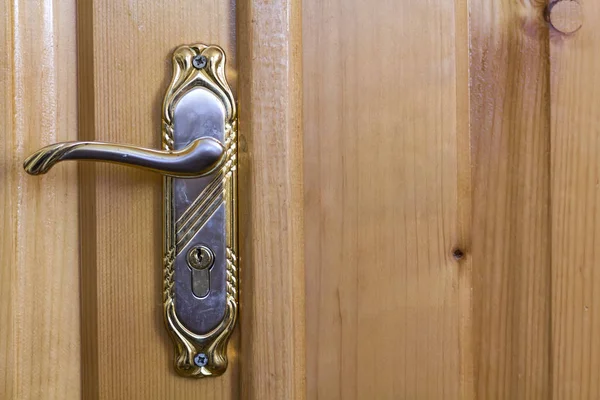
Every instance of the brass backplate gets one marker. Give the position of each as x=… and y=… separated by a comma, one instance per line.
x=200, y=249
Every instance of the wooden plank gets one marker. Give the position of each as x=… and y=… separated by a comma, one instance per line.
x=39, y=264
x=125, y=52
x=575, y=203
x=387, y=199
x=271, y=194
x=511, y=187
x=462, y=248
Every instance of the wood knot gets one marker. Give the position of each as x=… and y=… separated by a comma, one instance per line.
x=458, y=254
x=566, y=16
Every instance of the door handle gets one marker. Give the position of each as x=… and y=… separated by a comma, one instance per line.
x=201, y=157
x=199, y=161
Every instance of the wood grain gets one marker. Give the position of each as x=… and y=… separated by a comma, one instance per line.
x=387, y=199
x=271, y=194
x=124, y=65
x=39, y=266
x=510, y=124
x=575, y=211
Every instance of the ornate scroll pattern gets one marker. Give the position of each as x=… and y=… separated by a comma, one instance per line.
x=214, y=343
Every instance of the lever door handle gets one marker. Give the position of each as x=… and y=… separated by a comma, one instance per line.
x=201, y=157
x=199, y=161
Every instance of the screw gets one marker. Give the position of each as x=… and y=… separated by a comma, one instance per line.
x=199, y=61
x=200, y=360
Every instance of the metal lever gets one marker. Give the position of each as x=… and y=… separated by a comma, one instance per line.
x=201, y=157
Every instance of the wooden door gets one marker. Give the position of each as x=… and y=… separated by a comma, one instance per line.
x=418, y=194
x=81, y=310
x=451, y=199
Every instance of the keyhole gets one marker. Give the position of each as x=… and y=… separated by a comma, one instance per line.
x=200, y=259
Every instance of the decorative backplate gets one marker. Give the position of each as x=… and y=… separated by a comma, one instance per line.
x=200, y=264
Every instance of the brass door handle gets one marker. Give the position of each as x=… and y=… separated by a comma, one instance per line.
x=199, y=138
x=201, y=157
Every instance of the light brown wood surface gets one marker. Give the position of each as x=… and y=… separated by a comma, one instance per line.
x=450, y=159
x=575, y=173
x=404, y=172
x=271, y=207
x=39, y=267
x=124, y=65
x=510, y=246
x=386, y=192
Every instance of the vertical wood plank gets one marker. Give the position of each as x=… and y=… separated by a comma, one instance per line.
x=39, y=264
x=510, y=124
x=272, y=251
x=387, y=199
x=125, y=50
x=462, y=252
x=575, y=173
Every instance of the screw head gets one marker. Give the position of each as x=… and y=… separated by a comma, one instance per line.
x=200, y=360
x=199, y=61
